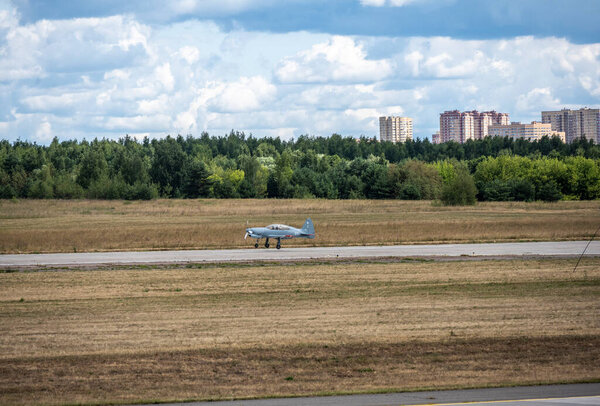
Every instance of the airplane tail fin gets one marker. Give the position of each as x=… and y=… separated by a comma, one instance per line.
x=308, y=229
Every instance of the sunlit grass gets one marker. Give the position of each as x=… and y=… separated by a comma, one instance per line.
x=125, y=335
x=65, y=226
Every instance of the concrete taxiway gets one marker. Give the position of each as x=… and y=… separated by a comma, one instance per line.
x=513, y=249
x=546, y=395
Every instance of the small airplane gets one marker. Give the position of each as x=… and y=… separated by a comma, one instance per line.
x=280, y=232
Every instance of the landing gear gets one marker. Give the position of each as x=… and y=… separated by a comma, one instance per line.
x=278, y=243
x=256, y=245
x=267, y=243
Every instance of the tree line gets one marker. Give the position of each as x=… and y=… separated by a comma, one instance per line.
x=336, y=167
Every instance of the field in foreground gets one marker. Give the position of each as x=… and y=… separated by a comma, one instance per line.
x=209, y=332
x=29, y=226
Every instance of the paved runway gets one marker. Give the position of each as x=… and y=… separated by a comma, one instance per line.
x=547, y=395
x=525, y=249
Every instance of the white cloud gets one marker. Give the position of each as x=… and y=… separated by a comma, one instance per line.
x=538, y=99
x=373, y=3
x=44, y=132
x=245, y=94
x=190, y=54
x=391, y=3
x=120, y=74
x=84, y=44
x=9, y=16
x=153, y=106
x=111, y=76
x=50, y=103
x=163, y=75
x=140, y=123
x=340, y=59
x=413, y=59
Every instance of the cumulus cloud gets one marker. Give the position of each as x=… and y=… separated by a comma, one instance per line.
x=109, y=76
x=340, y=59
x=538, y=99
x=46, y=47
x=390, y=3
x=44, y=132
x=9, y=16
x=215, y=7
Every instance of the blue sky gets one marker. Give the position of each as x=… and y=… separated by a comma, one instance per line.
x=106, y=68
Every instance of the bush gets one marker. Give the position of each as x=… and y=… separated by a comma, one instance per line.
x=409, y=191
x=66, y=188
x=105, y=188
x=523, y=190
x=460, y=191
x=142, y=191
x=495, y=191
x=40, y=189
x=7, y=192
x=506, y=191
x=549, y=192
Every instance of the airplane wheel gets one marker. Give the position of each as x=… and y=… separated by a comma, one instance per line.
x=267, y=245
x=278, y=246
x=256, y=245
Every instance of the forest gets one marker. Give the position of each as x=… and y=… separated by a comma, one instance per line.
x=335, y=167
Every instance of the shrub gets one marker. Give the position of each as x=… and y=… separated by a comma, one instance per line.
x=549, y=192
x=460, y=191
x=409, y=191
x=523, y=190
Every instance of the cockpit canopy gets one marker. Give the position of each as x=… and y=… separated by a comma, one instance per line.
x=278, y=227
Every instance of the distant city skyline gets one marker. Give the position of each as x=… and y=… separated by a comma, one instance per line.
x=98, y=68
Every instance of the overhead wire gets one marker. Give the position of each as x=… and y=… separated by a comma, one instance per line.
x=586, y=247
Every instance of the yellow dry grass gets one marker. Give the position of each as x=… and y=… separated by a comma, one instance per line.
x=222, y=331
x=97, y=311
x=65, y=226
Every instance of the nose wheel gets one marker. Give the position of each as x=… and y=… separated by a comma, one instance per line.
x=256, y=245
x=278, y=243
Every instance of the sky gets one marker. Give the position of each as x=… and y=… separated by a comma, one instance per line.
x=106, y=68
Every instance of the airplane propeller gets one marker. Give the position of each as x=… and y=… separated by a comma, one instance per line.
x=246, y=236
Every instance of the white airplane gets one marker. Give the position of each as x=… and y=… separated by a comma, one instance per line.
x=280, y=232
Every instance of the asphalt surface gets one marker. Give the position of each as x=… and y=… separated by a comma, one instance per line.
x=554, y=395
x=524, y=249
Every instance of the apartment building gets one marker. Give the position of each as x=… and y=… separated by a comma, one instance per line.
x=469, y=125
x=530, y=132
x=395, y=129
x=575, y=124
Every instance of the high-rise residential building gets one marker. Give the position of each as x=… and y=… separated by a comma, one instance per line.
x=584, y=123
x=484, y=120
x=435, y=138
x=531, y=132
x=468, y=125
x=395, y=129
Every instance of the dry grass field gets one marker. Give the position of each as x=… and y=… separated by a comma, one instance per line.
x=222, y=331
x=28, y=226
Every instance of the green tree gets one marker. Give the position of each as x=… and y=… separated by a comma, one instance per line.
x=197, y=182
x=549, y=192
x=167, y=166
x=93, y=166
x=461, y=191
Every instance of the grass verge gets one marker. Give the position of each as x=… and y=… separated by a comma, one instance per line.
x=39, y=226
x=219, y=332
x=367, y=367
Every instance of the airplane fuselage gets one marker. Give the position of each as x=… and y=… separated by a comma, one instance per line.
x=281, y=232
